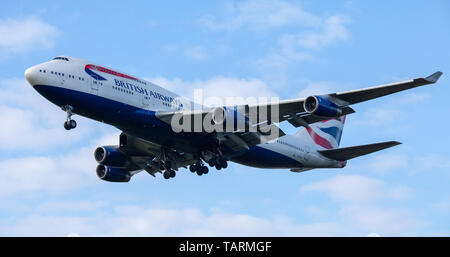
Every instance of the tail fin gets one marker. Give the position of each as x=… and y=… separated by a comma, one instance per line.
x=325, y=134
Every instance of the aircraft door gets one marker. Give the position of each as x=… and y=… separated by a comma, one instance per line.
x=94, y=84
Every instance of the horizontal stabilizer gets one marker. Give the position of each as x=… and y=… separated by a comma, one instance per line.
x=347, y=153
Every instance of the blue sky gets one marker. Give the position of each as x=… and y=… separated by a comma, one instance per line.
x=262, y=48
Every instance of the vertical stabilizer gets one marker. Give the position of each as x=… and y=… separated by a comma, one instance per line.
x=325, y=134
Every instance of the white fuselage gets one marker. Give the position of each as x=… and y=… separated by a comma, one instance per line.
x=79, y=76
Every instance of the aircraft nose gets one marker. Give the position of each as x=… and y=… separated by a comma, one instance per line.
x=31, y=76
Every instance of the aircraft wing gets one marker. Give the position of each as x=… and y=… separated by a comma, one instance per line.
x=294, y=110
x=361, y=95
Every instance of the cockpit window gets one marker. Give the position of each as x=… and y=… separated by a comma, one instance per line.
x=61, y=58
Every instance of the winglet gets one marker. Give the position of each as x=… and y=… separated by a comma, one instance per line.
x=434, y=77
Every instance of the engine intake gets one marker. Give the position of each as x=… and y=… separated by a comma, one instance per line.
x=113, y=174
x=229, y=117
x=321, y=107
x=110, y=156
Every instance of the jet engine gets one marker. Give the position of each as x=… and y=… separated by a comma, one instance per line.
x=113, y=174
x=229, y=117
x=110, y=156
x=320, y=106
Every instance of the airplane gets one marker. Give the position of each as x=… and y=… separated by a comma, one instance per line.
x=150, y=142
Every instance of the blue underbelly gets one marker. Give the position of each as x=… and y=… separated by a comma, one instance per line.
x=128, y=118
x=260, y=157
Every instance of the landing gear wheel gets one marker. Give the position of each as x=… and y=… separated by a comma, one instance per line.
x=205, y=170
x=193, y=168
x=211, y=162
x=199, y=172
x=166, y=175
x=66, y=126
x=69, y=124
x=72, y=124
x=224, y=164
x=218, y=167
x=172, y=173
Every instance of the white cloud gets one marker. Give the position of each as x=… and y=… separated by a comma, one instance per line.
x=271, y=18
x=332, y=29
x=36, y=150
x=33, y=123
x=356, y=189
x=140, y=220
x=317, y=88
x=293, y=47
x=22, y=35
x=29, y=130
x=52, y=174
x=361, y=202
x=30, y=136
x=218, y=87
x=378, y=117
x=387, y=221
x=257, y=15
x=153, y=221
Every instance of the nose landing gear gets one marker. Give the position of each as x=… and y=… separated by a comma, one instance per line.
x=69, y=123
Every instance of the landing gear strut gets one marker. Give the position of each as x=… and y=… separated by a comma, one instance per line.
x=166, y=165
x=69, y=123
x=215, y=159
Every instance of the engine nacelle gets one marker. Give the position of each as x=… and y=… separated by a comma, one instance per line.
x=321, y=107
x=229, y=118
x=113, y=174
x=110, y=156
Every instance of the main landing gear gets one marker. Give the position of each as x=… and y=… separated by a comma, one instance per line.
x=69, y=123
x=169, y=173
x=199, y=168
x=218, y=163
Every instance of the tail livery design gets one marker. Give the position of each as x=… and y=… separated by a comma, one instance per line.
x=326, y=134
